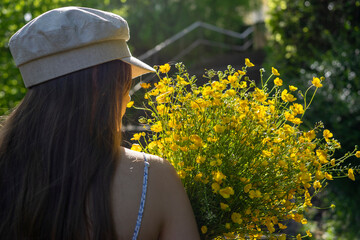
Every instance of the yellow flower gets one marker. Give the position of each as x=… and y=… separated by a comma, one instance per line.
x=282, y=163
x=236, y=218
x=157, y=127
x=304, y=221
x=219, y=128
x=210, y=139
x=196, y=140
x=166, y=80
x=243, y=84
x=203, y=229
x=248, y=63
x=298, y=237
x=162, y=98
x=136, y=136
x=181, y=81
x=282, y=237
x=224, y=206
x=259, y=95
x=351, y=174
x=164, y=68
x=310, y=134
x=155, y=144
x=357, y=154
x=241, y=72
x=130, y=104
x=226, y=192
x=281, y=226
x=278, y=82
x=327, y=134
x=319, y=175
x=153, y=92
x=332, y=162
x=232, y=79
x=161, y=109
x=305, y=177
x=136, y=147
x=200, y=159
x=244, y=179
x=218, y=86
x=270, y=227
x=275, y=72
x=317, y=185
x=332, y=206
x=145, y=85
x=254, y=194
x=288, y=116
x=219, y=176
x=198, y=177
x=215, y=186
x=328, y=176
x=297, y=108
x=231, y=92
x=316, y=82
x=287, y=97
x=266, y=153
x=298, y=217
x=321, y=154
x=296, y=121
x=247, y=187
x=227, y=225
x=292, y=88
x=181, y=173
x=308, y=233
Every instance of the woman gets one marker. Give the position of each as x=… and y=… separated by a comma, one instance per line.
x=63, y=173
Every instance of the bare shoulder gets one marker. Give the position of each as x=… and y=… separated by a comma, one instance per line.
x=155, y=163
x=127, y=191
x=168, y=213
x=163, y=179
x=174, y=209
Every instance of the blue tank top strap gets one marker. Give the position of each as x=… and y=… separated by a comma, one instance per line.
x=143, y=198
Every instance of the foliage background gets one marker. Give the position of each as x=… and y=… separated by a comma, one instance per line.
x=314, y=37
x=307, y=37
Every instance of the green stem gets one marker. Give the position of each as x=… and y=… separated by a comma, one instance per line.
x=306, y=106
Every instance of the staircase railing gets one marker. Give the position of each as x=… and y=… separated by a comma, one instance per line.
x=189, y=29
x=200, y=41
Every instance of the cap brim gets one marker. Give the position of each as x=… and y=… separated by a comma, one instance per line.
x=138, y=67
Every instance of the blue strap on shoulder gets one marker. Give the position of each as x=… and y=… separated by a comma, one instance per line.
x=143, y=198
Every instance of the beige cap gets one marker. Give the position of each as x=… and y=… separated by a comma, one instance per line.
x=69, y=39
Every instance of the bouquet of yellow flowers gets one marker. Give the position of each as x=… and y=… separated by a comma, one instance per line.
x=245, y=162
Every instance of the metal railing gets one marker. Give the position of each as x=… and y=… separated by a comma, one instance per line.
x=196, y=43
x=189, y=29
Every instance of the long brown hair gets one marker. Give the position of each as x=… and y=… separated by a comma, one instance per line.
x=57, y=155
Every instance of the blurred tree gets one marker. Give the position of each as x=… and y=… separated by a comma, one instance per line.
x=311, y=38
x=322, y=38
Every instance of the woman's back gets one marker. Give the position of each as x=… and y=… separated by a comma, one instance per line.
x=167, y=211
